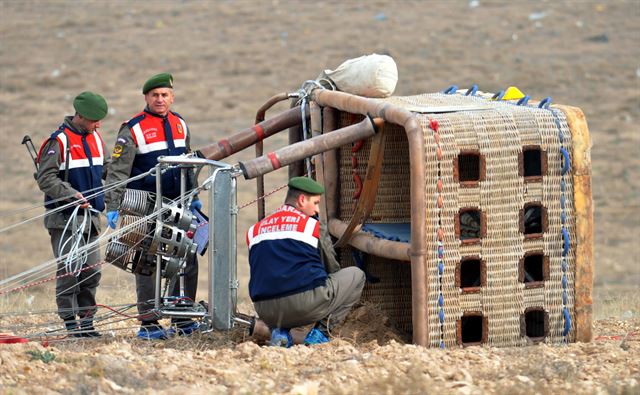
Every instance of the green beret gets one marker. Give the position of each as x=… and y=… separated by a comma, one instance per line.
x=306, y=184
x=162, y=80
x=91, y=106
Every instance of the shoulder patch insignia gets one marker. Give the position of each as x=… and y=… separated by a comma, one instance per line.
x=117, y=151
x=180, y=128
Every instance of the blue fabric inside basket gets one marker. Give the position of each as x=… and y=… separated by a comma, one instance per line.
x=393, y=232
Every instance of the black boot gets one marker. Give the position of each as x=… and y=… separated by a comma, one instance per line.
x=72, y=326
x=87, y=329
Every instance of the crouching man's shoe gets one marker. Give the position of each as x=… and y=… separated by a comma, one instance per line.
x=281, y=337
x=316, y=336
x=152, y=330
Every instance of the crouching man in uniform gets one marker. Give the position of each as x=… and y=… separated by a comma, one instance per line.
x=289, y=284
x=70, y=169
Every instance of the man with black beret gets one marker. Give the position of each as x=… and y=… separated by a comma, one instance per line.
x=156, y=131
x=70, y=170
x=289, y=284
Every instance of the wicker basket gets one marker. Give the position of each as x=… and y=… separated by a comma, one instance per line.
x=508, y=230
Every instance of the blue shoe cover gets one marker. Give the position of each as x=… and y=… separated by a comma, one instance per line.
x=152, y=332
x=315, y=336
x=185, y=328
x=281, y=338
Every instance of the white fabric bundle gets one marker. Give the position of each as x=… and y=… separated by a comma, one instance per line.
x=370, y=76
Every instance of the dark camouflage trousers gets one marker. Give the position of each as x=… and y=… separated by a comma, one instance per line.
x=75, y=295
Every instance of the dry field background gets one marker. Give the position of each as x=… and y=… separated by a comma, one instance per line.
x=229, y=57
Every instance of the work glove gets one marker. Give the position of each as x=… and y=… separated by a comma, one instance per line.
x=196, y=205
x=112, y=218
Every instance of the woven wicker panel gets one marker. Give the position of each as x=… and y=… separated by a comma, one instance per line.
x=468, y=197
x=392, y=201
x=445, y=219
x=533, y=192
x=502, y=198
x=527, y=128
x=498, y=133
x=553, y=237
x=470, y=302
x=534, y=297
x=392, y=294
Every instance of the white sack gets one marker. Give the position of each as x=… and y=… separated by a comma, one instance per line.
x=370, y=76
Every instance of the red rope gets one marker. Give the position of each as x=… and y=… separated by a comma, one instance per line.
x=617, y=337
x=117, y=312
x=263, y=196
x=7, y=338
x=33, y=284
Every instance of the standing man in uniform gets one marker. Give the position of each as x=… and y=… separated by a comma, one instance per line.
x=70, y=169
x=156, y=131
x=289, y=284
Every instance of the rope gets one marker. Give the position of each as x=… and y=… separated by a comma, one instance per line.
x=126, y=228
x=263, y=196
x=354, y=170
x=433, y=124
x=307, y=161
x=40, y=312
x=303, y=94
x=85, y=249
x=48, y=324
x=123, y=230
x=566, y=242
x=75, y=258
x=103, y=322
x=118, y=312
x=617, y=337
x=249, y=203
x=40, y=282
x=70, y=204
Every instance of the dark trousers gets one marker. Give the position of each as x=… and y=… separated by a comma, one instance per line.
x=145, y=289
x=75, y=295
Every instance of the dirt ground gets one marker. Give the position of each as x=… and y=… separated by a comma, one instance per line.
x=228, y=58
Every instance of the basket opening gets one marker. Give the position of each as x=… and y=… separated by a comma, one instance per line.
x=533, y=268
x=532, y=162
x=469, y=167
x=470, y=224
x=534, y=322
x=470, y=273
x=472, y=329
x=533, y=219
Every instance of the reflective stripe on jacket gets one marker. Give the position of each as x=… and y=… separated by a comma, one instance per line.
x=284, y=257
x=156, y=136
x=83, y=166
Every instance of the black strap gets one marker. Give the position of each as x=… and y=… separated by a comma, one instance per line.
x=66, y=158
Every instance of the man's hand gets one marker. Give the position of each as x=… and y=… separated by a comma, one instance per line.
x=196, y=205
x=112, y=218
x=81, y=200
